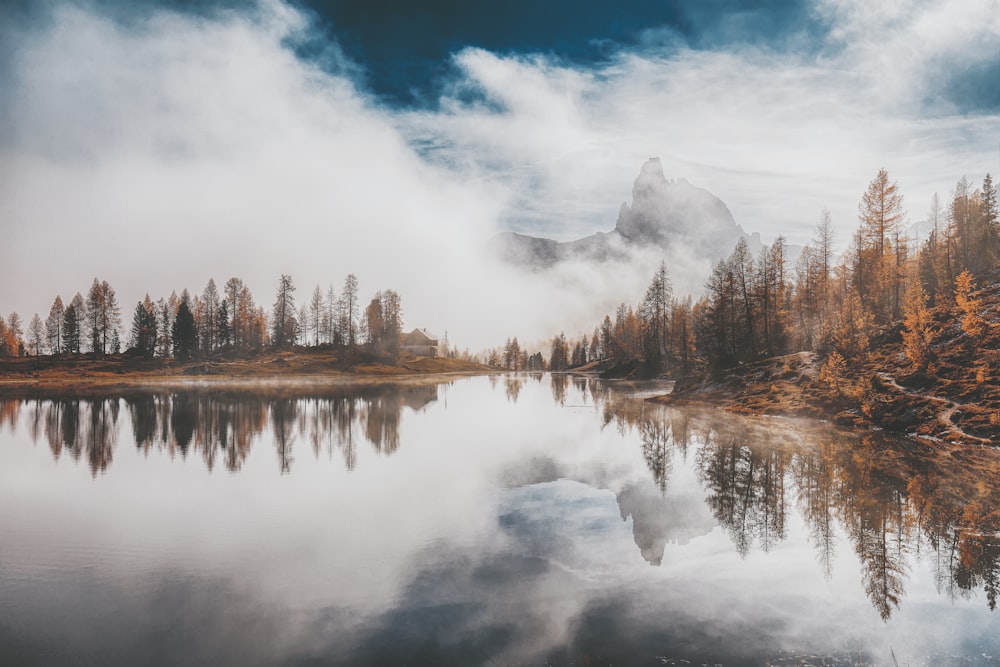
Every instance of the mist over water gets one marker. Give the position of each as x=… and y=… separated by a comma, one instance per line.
x=514, y=519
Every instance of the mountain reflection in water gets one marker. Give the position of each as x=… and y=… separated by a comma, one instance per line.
x=891, y=502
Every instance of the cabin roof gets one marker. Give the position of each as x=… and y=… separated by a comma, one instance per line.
x=419, y=337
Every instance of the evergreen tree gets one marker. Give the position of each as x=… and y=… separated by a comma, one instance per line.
x=185, y=332
x=71, y=329
x=222, y=319
x=143, y=338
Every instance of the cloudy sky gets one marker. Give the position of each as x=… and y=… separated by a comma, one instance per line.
x=156, y=144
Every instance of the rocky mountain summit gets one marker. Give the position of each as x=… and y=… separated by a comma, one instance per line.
x=671, y=215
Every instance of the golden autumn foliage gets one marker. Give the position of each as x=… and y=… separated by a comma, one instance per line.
x=968, y=307
x=832, y=370
x=917, y=330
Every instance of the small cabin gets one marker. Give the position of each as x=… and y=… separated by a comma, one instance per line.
x=419, y=343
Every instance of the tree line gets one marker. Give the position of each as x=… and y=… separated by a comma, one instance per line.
x=758, y=306
x=186, y=326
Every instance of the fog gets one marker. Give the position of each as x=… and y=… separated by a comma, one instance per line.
x=159, y=150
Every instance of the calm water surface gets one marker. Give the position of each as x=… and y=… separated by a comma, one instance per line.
x=485, y=521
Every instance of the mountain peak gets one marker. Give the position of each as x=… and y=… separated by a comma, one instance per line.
x=665, y=211
x=673, y=216
x=650, y=179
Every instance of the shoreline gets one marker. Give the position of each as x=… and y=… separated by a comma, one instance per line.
x=872, y=400
x=308, y=371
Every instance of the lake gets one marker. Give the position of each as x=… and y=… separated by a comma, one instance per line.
x=504, y=520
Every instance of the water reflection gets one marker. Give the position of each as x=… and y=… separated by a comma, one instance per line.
x=884, y=500
x=222, y=427
x=892, y=498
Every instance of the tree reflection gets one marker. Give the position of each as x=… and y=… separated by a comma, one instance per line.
x=283, y=421
x=880, y=499
x=86, y=430
x=222, y=427
x=887, y=497
x=656, y=450
x=559, y=384
x=513, y=387
x=746, y=485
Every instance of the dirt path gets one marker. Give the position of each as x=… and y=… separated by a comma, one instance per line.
x=944, y=416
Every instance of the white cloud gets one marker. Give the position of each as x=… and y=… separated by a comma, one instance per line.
x=159, y=154
x=776, y=136
x=186, y=149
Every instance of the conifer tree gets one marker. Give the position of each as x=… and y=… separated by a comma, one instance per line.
x=184, y=331
x=36, y=334
x=284, y=322
x=143, y=335
x=54, y=326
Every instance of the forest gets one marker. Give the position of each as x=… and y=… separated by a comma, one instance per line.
x=199, y=326
x=753, y=307
x=761, y=307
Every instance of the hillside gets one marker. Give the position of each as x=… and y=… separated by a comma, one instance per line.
x=956, y=401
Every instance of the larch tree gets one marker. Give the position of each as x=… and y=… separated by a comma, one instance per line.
x=316, y=314
x=208, y=321
x=94, y=306
x=655, y=310
x=989, y=223
x=36, y=334
x=823, y=244
x=283, y=323
x=16, y=328
x=806, y=300
x=349, y=310
x=934, y=262
x=968, y=307
x=373, y=320
x=233, y=291
x=392, y=322
x=8, y=344
x=103, y=316
x=331, y=318
x=559, y=353
x=742, y=267
x=962, y=218
x=383, y=323
x=917, y=326
x=682, y=333
x=881, y=215
x=302, y=326
x=54, y=326
x=246, y=321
